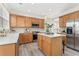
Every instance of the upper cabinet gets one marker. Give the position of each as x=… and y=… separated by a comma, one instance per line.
x=63, y=19
x=26, y=22
x=35, y=20
x=41, y=23
x=21, y=21
x=13, y=20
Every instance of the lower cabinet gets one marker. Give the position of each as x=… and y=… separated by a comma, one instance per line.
x=46, y=44
x=50, y=46
x=25, y=37
x=57, y=46
x=40, y=37
x=8, y=50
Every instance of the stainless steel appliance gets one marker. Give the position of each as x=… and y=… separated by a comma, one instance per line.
x=73, y=34
x=35, y=25
x=35, y=35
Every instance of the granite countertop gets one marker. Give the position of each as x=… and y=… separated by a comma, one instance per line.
x=9, y=39
x=51, y=35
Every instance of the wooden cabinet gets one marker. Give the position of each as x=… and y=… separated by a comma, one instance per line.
x=46, y=46
x=8, y=50
x=40, y=37
x=57, y=46
x=35, y=20
x=74, y=15
x=63, y=20
x=25, y=37
x=41, y=23
x=67, y=17
x=50, y=46
x=13, y=20
x=21, y=21
x=28, y=22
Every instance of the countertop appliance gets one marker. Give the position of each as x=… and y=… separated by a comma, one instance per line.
x=72, y=30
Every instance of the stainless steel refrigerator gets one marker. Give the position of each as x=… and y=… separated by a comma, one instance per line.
x=72, y=30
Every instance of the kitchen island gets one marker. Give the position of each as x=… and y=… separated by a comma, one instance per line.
x=50, y=44
x=9, y=45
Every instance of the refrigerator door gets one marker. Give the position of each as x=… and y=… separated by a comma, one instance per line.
x=77, y=34
x=70, y=34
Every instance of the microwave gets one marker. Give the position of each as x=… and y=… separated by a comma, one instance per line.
x=35, y=25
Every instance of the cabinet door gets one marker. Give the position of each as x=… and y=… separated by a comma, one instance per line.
x=21, y=38
x=25, y=37
x=57, y=46
x=21, y=21
x=13, y=20
x=35, y=20
x=63, y=20
x=28, y=22
x=30, y=37
x=40, y=38
x=47, y=45
x=41, y=23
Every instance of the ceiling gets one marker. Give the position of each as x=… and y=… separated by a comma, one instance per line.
x=40, y=9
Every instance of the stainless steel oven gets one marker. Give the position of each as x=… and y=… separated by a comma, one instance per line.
x=35, y=35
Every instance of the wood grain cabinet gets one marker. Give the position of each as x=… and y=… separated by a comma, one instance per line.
x=40, y=37
x=21, y=21
x=71, y=16
x=50, y=46
x=41, y=23
x=28, y=22
x=35, y=20
x=13, y=20
x=46, y=46
x=57, y=46
x=9, y=50
x=25, y=37
x=63, y=20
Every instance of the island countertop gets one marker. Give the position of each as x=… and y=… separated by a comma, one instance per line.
x=51, y=35
x=9, y=39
